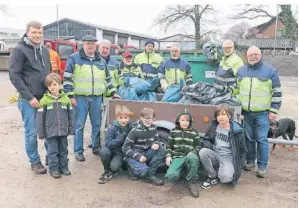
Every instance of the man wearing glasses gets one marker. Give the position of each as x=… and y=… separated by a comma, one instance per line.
x=259, y=88
x=228, y=67
x=85, y=81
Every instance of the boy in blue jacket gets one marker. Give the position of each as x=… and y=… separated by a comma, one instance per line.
x=111, y=155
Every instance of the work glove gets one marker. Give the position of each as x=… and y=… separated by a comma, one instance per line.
x=14, y=98
x=164, y=85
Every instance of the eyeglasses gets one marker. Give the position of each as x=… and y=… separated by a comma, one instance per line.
x=148, y=119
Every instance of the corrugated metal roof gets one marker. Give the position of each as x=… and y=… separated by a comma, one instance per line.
x=103, y=28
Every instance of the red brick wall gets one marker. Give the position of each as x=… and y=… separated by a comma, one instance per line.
x=269, y=32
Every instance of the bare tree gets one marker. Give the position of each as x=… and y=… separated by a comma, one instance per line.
x=200, y=16
x=237, y=31
x=250, y=12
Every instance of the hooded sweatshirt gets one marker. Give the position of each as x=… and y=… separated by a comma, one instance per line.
x=29, y=64
x=183, y=141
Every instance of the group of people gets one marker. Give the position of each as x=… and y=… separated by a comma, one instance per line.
x=52, y=110
x=221, y=152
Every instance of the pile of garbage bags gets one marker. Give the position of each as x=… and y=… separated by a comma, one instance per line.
x=135, y=88
x=205, y=93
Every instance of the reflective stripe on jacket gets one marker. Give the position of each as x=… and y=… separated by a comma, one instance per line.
x=259, y=88
x=149, y=64
x=85, y=76
x=226, y=73
x=175, y=69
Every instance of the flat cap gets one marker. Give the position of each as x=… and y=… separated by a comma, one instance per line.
x=89, y=38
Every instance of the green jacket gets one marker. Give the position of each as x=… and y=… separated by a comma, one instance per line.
x=133, y=71
x=55, y=117
x=183, y=141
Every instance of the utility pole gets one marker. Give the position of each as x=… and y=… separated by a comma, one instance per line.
x=277, y=6
x=57, y=21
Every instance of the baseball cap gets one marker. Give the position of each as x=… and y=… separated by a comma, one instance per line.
x=127, y=54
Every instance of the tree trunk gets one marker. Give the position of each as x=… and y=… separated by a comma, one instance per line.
x=197, y=27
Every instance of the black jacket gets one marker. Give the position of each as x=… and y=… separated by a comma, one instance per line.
x=55, y=117
x=116, y=136
x=28, y=67
x=237, y=144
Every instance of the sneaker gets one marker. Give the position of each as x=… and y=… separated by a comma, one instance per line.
x=105, y=177
x=261, y=172
x=47, y=161
x=65, y=172
x=116, y=173
x=131, y=175
x=154, y=180
x=38, y=168
x=193, y=189
x=80, y=157
x=209, y=183
x=249, y=166
x=55, y=174
x=96, y=152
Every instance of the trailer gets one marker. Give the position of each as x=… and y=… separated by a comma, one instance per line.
x=166, y=113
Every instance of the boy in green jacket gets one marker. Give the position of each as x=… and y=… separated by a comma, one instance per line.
x=54, y=123
x=181, y=152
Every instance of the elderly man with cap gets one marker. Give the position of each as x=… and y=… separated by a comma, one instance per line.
x=174, y=69
x=228, y=67
x=258, y=86
x=128, y=68
x=86, y=79
x=111, y=63
x=149, y=61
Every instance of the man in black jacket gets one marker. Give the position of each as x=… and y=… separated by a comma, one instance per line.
x=29, y=64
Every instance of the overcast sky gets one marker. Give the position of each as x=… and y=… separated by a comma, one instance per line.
x=136, y=18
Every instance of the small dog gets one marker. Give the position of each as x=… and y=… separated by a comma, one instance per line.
x=284, y=127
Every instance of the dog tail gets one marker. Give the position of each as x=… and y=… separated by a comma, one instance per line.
x=295, y=136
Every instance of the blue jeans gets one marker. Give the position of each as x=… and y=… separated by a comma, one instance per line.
x=155, y=158
x=87, y=105
x=29, y=119
x=256, y=125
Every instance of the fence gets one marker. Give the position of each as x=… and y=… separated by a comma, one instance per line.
x=282, y=44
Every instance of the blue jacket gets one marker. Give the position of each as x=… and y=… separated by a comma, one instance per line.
x=175, y=69
x=116, y=136
x=259, y=87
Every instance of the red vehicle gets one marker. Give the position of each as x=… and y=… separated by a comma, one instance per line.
x=64, y=48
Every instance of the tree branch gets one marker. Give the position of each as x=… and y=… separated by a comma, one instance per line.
x=251, y=12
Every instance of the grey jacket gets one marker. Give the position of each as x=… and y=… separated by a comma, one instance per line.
x=28, y=67
x=55, y=117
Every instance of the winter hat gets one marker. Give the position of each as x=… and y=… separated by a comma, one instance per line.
x=150, y=42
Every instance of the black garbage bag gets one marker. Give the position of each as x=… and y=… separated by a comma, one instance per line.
x=205, y=93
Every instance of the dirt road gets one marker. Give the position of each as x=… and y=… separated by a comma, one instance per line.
x=19, y=187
